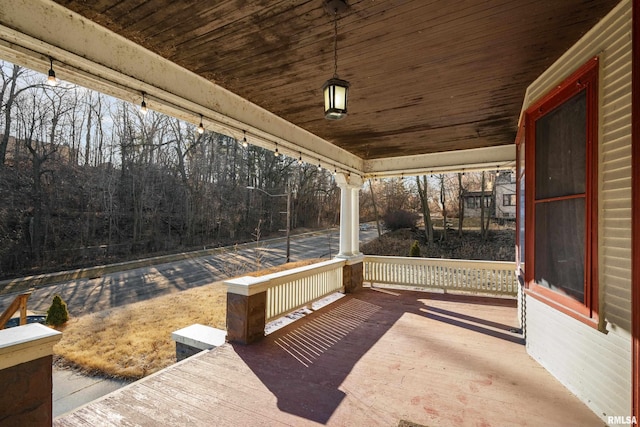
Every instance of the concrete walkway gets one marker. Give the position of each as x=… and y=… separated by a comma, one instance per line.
x=72, y=389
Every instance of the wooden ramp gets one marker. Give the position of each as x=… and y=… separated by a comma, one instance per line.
x=376, y=358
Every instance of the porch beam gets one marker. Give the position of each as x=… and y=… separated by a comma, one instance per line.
x=87, y=54
x=497, y=157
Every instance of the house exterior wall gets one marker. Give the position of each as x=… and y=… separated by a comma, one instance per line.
x=472, y=200
x=505, y=186
x=596, y=364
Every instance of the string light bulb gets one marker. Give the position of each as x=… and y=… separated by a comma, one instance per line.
x=200, y=126
x=143, y=105
x=276, y=152
x=52, y=80
x=245, y=144
x=300, y=159
x=319, y=167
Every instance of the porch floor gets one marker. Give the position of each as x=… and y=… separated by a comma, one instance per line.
x=378, y=357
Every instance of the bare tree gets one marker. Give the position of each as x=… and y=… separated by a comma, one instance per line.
x=10, y=90
x=91, y=172
x=375, y=209
x=461, y=191
x=426, y=212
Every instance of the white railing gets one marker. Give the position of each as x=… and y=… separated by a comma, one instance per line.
x=296, y=288
x=291, y=289
x=480, y=277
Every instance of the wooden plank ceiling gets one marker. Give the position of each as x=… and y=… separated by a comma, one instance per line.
x=426, y=76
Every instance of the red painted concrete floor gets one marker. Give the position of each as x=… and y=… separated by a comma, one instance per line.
x=379, y=357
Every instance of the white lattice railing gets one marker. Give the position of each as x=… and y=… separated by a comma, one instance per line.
x=482, y=277
x=291, y=289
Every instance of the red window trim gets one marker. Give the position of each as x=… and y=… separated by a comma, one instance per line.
x=585, y=78
x=520, y=173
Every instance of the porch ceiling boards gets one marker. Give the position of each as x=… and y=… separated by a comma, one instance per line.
x=426, y=76
x=372, y=358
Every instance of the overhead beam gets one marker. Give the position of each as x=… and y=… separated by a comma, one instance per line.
x=91, y=56
x=498, y=157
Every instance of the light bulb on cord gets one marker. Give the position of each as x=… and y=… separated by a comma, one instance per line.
x=143, y=105
x=200, y=126
x=52, y=80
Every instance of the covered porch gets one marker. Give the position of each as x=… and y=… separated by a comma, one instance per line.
x=436, y=106
x=376, y=357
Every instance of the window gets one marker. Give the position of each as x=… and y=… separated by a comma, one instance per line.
x=508, y=200
x=561, y=205
x=471, y=202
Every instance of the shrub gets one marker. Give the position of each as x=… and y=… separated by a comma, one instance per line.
x=57, y=314
x=395, y=220
x=415, y=249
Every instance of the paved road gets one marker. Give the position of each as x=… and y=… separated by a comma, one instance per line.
x=85, y=296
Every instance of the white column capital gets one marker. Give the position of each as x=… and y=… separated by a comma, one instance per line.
x=345, y=180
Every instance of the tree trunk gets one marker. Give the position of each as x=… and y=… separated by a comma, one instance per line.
x=375, y=209
x=87, y=152
x=460, y=204
x=7, y=115
x=443, y=201
x=490, y=213
x=482, y=210
x=426, y=213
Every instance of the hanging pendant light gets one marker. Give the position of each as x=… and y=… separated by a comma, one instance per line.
x=336, y=90
x=245, y=144
x=52, y=80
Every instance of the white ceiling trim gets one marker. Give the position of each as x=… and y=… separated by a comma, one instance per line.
x=498, y=157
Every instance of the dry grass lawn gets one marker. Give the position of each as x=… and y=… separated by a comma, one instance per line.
x=135, y=340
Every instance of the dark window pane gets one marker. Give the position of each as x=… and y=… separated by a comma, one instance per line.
x=561, y=149
x=559, y=246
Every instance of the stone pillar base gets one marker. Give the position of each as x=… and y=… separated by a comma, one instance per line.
x=25, y=374
x=353, y=276
x=26, y=396
x=246, y=317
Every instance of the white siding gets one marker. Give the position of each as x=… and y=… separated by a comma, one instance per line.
x=503, y=211
x=594, y=365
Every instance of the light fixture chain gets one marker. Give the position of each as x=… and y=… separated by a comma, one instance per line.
x=335, y=44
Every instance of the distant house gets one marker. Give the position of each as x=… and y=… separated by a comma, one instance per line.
x=473, y=203
x=499, y=204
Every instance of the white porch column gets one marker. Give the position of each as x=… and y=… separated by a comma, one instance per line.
x=346, y=222
x=349, y=214
x=355, y=219
x=353, y=271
